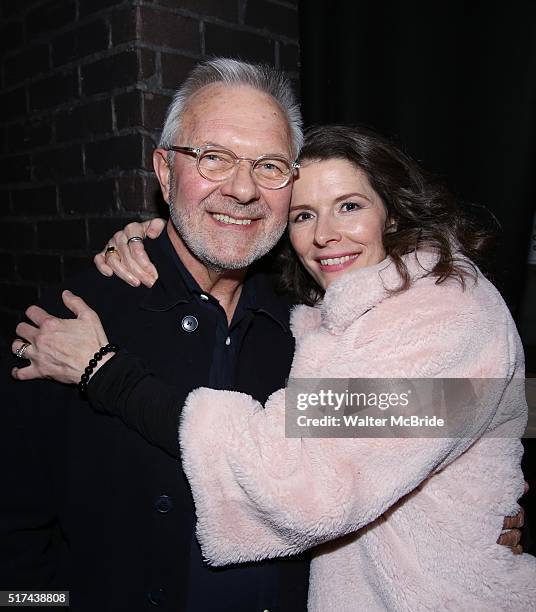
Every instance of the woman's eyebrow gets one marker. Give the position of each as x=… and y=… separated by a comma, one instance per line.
x=353, y=193
x=300, y=207
x=340, y=198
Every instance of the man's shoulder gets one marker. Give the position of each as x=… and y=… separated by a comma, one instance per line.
x=100, y=292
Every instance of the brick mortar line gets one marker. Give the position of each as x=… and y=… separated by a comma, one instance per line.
x=94, y=17
x=53, y=146
x=38, y=114
x=95, y=178
x=253, y=30
x=33, y=184
x=73, y=25
x=19, y=187
x=68, y=253
x=181, y=12
x=68, y=67
x=91, y=216
x=44, y=113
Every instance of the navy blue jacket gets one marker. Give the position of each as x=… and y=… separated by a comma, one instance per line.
x=87, y=504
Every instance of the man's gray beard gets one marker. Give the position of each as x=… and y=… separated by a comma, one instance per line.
x=196, y=243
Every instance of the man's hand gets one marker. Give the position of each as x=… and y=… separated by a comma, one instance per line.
x=130, y=262
x=512, y=537
x=60, y=348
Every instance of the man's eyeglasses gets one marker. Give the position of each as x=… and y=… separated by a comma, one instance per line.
x=218, y=164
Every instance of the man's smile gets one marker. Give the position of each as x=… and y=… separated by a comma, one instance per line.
x=228, y=220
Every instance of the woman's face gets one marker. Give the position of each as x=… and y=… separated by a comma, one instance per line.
x=336, y=220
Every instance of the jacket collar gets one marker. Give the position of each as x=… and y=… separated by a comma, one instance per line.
x=171, y=288
x=176, y=285
x=267, y=300
x=355, y=293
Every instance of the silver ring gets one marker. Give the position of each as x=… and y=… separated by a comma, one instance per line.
x=135, y=239
x=22, y=349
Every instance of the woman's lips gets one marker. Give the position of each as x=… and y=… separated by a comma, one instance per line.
x=337, y=263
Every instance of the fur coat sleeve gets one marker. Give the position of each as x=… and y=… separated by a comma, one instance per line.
x=259, y=494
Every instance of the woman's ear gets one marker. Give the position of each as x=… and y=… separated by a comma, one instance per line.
x=390, y=225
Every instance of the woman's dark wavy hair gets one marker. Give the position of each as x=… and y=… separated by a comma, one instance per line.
x=423, y=212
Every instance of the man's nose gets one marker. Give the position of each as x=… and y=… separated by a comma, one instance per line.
x=326, y=231
x=241, y=185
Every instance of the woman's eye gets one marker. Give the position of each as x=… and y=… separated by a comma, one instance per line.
x=349, y=206
x=303, y=216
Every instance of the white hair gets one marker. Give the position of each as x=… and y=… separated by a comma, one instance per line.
x=232, y=73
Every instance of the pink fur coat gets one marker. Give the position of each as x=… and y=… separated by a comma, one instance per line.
x=394, y=524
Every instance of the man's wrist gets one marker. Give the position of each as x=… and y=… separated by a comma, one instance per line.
x=104, y=353
x=100, y=363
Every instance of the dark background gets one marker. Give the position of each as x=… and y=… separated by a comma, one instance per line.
x=85, y=84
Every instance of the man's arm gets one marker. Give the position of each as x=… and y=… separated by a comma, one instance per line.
x=140, y=400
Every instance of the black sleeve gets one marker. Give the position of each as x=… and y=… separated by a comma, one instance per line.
x=124, y=387
x=28, y=512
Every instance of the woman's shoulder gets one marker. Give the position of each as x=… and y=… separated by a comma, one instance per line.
x=472, y=297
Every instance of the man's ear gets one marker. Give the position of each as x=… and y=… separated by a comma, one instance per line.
x=162, y=170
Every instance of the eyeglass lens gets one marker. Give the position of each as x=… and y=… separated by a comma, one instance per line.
x=215, y=164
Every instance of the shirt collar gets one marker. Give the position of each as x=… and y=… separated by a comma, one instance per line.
x=171, y=288
x=266, y=300
x=176, y=285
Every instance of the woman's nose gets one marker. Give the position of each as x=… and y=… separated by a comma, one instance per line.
x=326, y=231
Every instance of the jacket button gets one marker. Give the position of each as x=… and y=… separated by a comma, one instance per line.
x=163, y=504
x=156, y=597
x=189, y=323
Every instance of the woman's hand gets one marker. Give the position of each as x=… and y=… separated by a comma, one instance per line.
x=60, y=348
x=130, y=262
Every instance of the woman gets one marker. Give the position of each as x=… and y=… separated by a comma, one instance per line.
x=384, y=269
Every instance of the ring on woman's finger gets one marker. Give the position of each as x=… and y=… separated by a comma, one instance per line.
x=135, y=239
x=19, y=353
x=111, y=250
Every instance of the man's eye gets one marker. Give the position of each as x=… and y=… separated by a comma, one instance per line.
x=271, y=167
x=349, y=206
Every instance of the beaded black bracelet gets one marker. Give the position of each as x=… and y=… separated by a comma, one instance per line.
x=109, y=348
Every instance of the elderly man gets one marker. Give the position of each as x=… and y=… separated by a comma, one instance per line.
x=88, y=505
